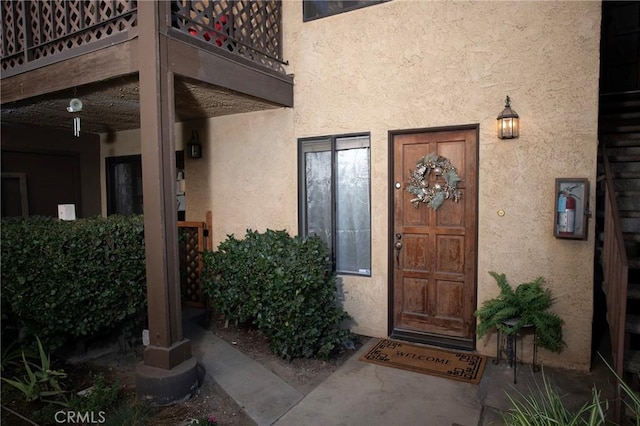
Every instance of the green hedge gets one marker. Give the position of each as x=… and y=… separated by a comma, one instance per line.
x=65, y=280
x=281, y=284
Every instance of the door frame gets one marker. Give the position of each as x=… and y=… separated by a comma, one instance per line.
x=447, y=342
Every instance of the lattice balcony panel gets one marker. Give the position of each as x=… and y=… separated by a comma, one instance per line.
x=13, y=28
x=247, y=28
x=33, y=29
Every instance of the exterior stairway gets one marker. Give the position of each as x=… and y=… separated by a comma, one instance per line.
x=624, y=158
x=618, y=189
x=620, y=138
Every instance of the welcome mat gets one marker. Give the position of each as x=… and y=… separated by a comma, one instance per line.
x=461, y=366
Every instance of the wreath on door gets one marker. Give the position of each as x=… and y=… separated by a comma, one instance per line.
x=433, y=196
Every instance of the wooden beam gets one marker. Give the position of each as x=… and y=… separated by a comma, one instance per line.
x=105, y=64
x=193, y=62
x=167, y=346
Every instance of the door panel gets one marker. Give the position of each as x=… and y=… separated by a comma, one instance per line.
x=434, y=252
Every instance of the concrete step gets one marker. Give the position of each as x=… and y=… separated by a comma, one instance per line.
x=623, y=150
x=631, y=236
x=627, y=184
x=633, y=252
x=626, y=175
x=617, y=140
x=632, y=324
x=628, y=203
x=624, y=125
x=627, y=123
x=632, y=361
x=630, y=224
x=633, y=292
x=623, y=154
x=631, y=166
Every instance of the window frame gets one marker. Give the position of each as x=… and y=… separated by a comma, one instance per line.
x=111, y=162
x=366, y=3
x=302, y=194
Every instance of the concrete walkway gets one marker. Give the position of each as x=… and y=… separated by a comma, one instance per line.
x=264, y=396
x=360, y=393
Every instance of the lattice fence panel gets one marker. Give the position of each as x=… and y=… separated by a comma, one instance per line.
x=57, y=26
x=191, y=243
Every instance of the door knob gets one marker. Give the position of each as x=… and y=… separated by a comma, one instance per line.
x=398, y=246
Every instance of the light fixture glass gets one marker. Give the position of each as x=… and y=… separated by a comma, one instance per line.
x=508, y=122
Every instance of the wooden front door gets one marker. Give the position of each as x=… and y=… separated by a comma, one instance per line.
x=433, y=253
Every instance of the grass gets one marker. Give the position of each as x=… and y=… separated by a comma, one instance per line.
x=544, y=406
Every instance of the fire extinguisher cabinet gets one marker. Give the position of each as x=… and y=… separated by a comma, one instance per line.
x=571, y=208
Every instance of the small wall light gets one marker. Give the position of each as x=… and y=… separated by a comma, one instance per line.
x=508, y=122
x=194, y=146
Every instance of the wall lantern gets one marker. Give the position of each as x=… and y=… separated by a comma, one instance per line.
x=508, y=122
x=194, y=146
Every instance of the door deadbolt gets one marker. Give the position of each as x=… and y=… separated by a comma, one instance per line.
x=398, y=243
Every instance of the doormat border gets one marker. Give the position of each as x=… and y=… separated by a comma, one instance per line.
x=470, y=370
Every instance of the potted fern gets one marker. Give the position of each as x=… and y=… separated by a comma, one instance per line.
x=527, y=305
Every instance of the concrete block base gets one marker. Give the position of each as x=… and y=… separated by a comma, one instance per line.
x=160, y=387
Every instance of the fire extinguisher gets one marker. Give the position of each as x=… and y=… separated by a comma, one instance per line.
x=566, y=214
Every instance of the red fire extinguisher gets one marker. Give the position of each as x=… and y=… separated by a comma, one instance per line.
x=566, y=214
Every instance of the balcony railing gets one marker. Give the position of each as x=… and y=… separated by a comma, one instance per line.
x=36, y=33
x=251, y=29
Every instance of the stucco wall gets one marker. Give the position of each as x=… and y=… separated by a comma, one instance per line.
x=421, y=64
x=247, y=176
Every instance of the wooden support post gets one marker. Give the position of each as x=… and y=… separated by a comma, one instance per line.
x=167, y=346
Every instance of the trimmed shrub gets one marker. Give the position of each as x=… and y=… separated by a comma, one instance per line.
x=64, y=280
x=284, y=285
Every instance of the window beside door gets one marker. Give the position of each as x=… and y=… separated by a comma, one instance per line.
x=335, y=198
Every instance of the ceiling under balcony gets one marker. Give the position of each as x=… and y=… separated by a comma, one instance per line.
x=226, y=57
x=114, y=105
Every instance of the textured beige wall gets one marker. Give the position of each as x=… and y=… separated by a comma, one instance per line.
x=248, y=161
x=420, y=64
x=247, y=176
